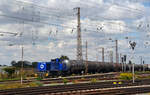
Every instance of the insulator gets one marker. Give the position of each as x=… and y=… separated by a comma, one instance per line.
x=110, y=39
x=1, y=34
x=33, y=43
x=139, y=26
x=15, y=34
x=126, y=37
x=147, y=25
x=85, y=29
x=72, y=31
x=21, y=34
x=147, y=35
x=101, y=28
x=10, y=44
x=146, y=43
x=50, y=32
x=56, y=31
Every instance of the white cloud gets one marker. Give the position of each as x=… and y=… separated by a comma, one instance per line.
x=114, y=18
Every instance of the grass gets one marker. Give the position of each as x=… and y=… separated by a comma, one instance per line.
x=93, y=80
x=18, y=85
x=75, y=81
x=39, y=78
x=125, y=76
x=7, y=79
x=141, y=72
x=65, y=81
x=12, y=79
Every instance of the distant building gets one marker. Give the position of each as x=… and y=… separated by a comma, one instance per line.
x=148, y=65
x=1, y=69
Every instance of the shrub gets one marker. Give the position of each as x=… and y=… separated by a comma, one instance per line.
x=10, y=71
x=126, y=76
x=65, y=81
x=11, y=86
x=32, y=84
x=4, y=76
x=82, y=78
x=74, y=81
x=18, y=85
x=38, y=78
x=93, y=80
x=38, y=83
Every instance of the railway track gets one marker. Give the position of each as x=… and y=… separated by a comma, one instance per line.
x=103, y=76
x=73, y=88
x=129, y=90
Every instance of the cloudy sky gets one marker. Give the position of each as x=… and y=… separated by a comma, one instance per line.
x=47, y=28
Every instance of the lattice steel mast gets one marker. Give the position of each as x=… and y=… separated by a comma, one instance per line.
x=79, y=42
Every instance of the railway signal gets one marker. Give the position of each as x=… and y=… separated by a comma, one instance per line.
x=125, y=58
x=130, y=63
x=143, y=66
x=132, y=44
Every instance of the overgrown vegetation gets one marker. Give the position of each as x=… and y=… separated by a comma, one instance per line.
x=18, y=85
x=65, y=81
x=39, y=78
x=93, y=80
x=126, y=76
x=38, y=83
x=75, y=81
x=10, y=71
x=13, y=73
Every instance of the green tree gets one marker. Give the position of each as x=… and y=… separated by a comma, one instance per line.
x=13, y=62
x=34, y=64
x=26, y=64
x=63, y=57
x=10, y=71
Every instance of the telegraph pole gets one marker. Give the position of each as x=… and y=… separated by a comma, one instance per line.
x=22, y=65
x=86, y=56
x=22, y=53
x=103, y=54
x=141, y=62
x=79, y=42
x=111, y=56
x=116, y=51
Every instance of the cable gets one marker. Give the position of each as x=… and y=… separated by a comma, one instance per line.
x=29, y=20
x=43, y=7
x=8, y=33
x=121, y=6
x=117, y=4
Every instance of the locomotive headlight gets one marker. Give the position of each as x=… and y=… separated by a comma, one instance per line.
x=67, y=64
x=66, y=61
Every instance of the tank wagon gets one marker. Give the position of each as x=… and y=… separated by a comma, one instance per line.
x=57, y=67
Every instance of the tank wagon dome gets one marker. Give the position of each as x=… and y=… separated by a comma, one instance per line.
x=76, y=61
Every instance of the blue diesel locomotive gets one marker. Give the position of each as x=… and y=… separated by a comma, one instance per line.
x=54, y=67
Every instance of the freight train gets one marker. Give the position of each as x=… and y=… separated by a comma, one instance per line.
x=58, y=67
